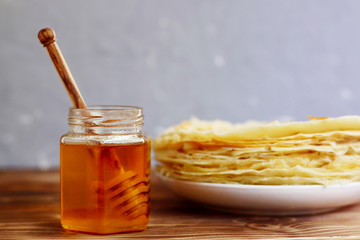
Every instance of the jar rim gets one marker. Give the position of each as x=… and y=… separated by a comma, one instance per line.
x=107, y=108
x=106, y=119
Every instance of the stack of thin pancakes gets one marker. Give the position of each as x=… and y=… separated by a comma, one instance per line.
x=319, y=151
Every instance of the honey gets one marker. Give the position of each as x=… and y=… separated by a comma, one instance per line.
x=104, y=177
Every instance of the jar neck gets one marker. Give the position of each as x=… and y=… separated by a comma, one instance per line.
x=106, y=120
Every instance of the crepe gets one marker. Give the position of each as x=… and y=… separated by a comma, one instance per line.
x=319, y=151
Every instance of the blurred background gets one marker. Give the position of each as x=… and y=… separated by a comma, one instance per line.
x=232, y=59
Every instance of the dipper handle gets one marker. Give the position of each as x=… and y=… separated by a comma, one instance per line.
x=47, y=38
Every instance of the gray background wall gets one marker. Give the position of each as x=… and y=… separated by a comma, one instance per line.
x=231, y=59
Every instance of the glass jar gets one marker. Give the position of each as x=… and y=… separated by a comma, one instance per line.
x=105, y=170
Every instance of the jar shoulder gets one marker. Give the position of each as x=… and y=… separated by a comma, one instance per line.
x=71, y=138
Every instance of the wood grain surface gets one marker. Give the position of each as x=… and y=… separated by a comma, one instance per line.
x=29, y=209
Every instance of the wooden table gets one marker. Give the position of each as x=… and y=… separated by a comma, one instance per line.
x=29, y=209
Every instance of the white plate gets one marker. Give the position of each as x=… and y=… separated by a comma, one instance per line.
x=266, y=200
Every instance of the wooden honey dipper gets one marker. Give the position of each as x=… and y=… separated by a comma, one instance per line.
x=125, y=193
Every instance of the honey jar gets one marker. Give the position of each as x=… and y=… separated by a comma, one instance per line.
x=105, y=170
